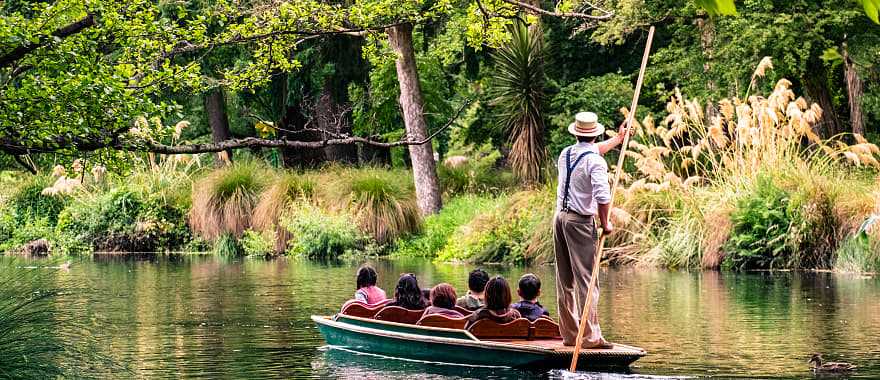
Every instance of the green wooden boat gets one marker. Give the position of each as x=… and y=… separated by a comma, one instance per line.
x=453, y=346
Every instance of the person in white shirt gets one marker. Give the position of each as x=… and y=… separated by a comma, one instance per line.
x=582, y=196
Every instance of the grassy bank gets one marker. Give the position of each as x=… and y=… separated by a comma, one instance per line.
x=749, y=187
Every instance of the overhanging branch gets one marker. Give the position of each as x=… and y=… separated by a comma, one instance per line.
x=10, y=57
x=538, y=10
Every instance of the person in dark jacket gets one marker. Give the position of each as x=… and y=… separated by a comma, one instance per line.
x=528, y=305
x=497, y=303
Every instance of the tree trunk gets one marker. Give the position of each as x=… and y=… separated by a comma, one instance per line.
x=854, y=91
x=816, y=85
x=215, y=108
x=411, y=102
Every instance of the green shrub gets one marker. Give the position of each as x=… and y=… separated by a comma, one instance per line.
x=516, y=230
x=859, y=253
x=477, y=174
x=28, y=203
x=318, y=235
x=439, y=227
x=27, y=214
x=227, y=246
x=258, y=243
x=761, y=224
x=121, y=219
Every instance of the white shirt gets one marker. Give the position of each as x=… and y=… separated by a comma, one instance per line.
x=589, y=185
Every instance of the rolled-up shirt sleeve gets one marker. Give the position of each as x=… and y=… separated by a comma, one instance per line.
x=599, y=180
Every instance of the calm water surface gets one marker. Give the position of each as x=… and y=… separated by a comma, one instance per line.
x=201, y=317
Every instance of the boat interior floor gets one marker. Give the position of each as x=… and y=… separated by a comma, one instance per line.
x=556, y=345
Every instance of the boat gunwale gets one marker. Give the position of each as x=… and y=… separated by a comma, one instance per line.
x=624, y=350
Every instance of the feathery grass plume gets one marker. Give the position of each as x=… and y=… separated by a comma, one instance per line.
x=382, y=202
x=223, y=202
x=518, y=94
x=286, y=189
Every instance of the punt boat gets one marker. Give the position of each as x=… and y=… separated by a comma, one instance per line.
x=463, y=347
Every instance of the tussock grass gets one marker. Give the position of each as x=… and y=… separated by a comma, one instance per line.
x=286, y=189
x=382, y=201
x=223, y=202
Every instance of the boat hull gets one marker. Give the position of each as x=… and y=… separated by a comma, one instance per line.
x=456, y=346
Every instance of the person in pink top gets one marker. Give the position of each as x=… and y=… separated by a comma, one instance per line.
x=367, y=291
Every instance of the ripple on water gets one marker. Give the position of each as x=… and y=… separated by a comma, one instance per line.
x=199, y=317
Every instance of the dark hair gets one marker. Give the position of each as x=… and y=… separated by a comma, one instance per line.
x=497, y=294
x=477, y=280
x=407, y=294
x=590, y=139
x=529, y=286
x=426, y=294
x=443, y=295
x=366, y=276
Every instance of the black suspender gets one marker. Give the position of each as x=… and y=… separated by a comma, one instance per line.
x=569, y=168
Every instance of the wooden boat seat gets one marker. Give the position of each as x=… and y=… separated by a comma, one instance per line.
x=463, y=311
x=545, y=328
x=489, y=329
x=399, y=315
x=438, y=320
x=356, y=308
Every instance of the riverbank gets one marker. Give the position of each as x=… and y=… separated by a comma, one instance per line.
x=751, y=187
x=261, y=211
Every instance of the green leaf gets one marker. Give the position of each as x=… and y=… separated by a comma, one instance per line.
x=871, y=9
x=831, y=56
x=720, y=7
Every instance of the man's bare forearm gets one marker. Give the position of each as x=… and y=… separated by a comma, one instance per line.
x=604, y=211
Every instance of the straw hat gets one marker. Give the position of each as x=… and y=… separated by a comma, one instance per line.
x=586, y=124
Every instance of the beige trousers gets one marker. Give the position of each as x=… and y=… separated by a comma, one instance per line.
x=574, y=242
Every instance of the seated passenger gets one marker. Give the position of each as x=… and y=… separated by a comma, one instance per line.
x=474, y=300
x=497, y=303
x=443, y=301
x=407, y=294
x=528, y=305
x=367, y=291
x=426, y=294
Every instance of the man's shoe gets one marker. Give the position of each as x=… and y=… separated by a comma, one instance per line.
x=601, y=345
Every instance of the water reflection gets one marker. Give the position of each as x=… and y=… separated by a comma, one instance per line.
x=197, y=317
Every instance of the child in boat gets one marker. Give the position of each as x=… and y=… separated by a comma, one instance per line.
x=408, y=294
x=443, y=301
x=474, y=299
x=497, y=303
x=367, y=291
x=528, y=305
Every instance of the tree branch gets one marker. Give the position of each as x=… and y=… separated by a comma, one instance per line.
x=254, y=142
x=10, y=57
x=112, y=140
x=25, y=164
x=538, y=10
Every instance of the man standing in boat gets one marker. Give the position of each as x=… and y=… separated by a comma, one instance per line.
x=583, y=194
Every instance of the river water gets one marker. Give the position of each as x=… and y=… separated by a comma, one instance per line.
x=203, y=317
